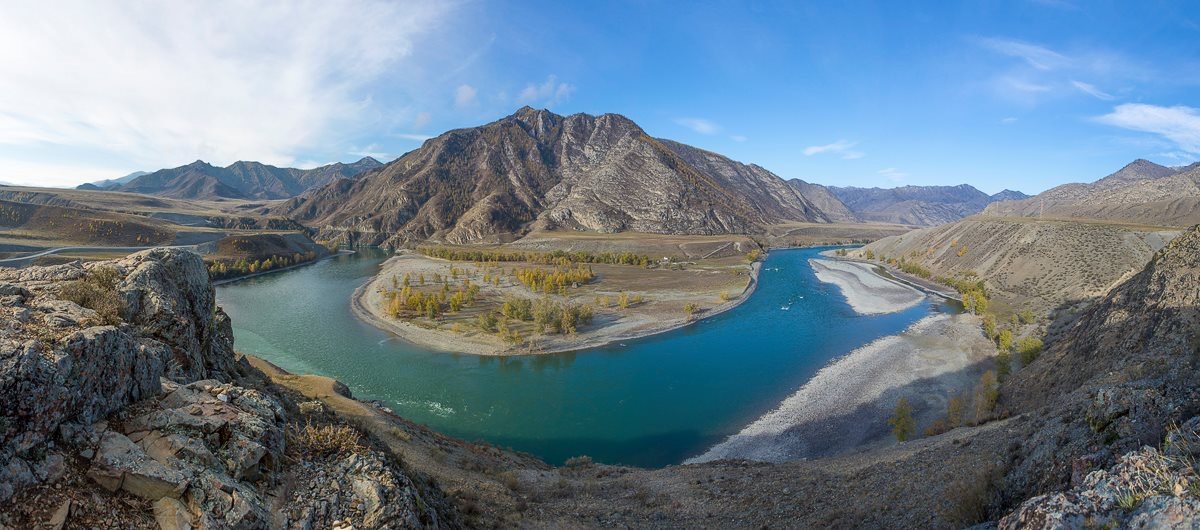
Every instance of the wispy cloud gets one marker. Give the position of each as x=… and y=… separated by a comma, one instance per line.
x=421, y=120
x=1022, y=85
x=1178, y=124
x=464, y=96
x=699, y=125
x=175, y=81
x=549, y=93
x=1008, y=121
x=1039, y=57
x=372, y=151
x=893, y=174
x=738, y=138
x=1091, y=90
x=842, y=148
x=414, y=137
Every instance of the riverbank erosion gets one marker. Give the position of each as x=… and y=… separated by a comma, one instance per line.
x=866, y=291
x=846, y=405
x=660, y=299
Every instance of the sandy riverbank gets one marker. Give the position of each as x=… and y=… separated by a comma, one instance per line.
x=846, y=405
x=607, y=328
x=867, y=293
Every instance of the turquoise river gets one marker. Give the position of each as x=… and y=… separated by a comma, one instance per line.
x=648, y=402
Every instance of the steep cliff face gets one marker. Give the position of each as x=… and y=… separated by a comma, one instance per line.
x=538, y=169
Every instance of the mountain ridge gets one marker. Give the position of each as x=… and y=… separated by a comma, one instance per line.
x=239, y=180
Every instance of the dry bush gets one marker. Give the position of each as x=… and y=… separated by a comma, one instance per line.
x=97, y=291
x=312, y=441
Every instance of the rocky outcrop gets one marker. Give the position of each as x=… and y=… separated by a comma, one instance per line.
x=1143, y=489
x=136, y=407
x=57, y=366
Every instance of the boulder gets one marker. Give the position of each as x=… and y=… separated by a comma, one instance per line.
x=170, y=514
x=120, y=463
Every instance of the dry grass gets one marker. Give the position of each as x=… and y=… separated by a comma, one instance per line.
x=311, y=441
x=97, y=291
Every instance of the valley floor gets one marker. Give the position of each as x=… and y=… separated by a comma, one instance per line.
x=665, y=292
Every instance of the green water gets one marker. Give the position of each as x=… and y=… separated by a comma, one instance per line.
x=648, y=402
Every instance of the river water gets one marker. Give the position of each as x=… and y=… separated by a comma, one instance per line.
x=648, y=402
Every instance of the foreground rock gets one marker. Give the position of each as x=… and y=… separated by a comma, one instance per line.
x=134, y=413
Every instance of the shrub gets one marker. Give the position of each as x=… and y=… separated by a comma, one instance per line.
x=989, y=326
x=97, y=291
x=1029, y=348
x=1026, y=316
x=1004, y=340
x=690, y=308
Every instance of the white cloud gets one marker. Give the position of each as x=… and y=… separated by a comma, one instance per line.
x=1036, y=56
x=1179, y=124
x=464, y=96
x=547, y=94
x=1021, y=85
x=1091, y=90
x=699, y=125
x=415, y=137
x=893, y=174
x=372, y=151
x=162, y=83
x=841, y=148
x=421, y=120
x=738, y=138
x=1008, y=121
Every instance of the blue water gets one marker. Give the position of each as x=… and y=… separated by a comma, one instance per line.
x=649, y=402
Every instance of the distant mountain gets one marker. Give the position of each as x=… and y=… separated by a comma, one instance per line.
x=1009, y=195
x=537, y=169
x=916, y=205
x=1140, y=192
x=825, y=200
x=240, y=180
x=110, y=183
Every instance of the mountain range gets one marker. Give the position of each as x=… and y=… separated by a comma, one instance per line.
x=916, y=205
x=539, y=170
x=1141, y=192
x=240, y=180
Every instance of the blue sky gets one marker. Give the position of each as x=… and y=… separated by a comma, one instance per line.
x=1017, y=94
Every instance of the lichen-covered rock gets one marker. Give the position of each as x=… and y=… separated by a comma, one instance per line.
x=1144, y=489
x=122, y=464
x=56, y=366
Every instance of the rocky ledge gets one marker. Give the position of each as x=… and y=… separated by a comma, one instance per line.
x=124, y=406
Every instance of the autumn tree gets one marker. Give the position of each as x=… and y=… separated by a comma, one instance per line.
x=903, y=425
